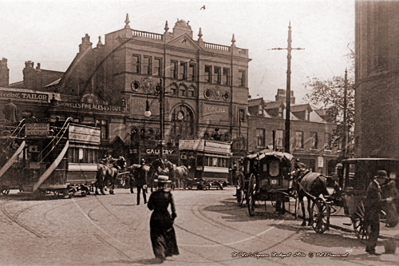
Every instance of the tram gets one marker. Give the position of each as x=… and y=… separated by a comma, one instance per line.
x=57, y=157
x=208, y=162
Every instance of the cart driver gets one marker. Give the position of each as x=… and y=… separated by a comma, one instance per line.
x=373, y=204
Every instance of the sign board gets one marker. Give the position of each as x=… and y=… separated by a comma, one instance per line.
x=320, y=162
x=206, y=146
x=37, y=129
x=84, y=134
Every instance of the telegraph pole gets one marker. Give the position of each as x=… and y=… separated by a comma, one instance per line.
x=344, y=133
x=288, y=90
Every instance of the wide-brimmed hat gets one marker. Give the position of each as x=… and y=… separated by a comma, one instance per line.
x=163, y=179
x=382, y=174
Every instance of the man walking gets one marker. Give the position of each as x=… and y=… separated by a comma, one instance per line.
x=373, y=204
x=141, y=181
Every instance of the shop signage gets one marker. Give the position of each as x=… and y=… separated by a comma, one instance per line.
x=216, y=112
x=37, y=129
x=25, y=96
x=91, y=106
x=156, y=151
x=84, y=134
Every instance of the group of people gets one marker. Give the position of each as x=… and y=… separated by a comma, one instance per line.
x=162, y=233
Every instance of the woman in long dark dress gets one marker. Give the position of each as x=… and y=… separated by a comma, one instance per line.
x=163, y=237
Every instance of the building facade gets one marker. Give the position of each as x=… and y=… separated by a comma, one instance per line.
x=310, y=139
x=115, y=85
x=377, y=79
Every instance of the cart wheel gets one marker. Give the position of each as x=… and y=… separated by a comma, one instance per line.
x=5, y=191
x=361, y=230
x=251, y=195
x=238, y=195
x=242, y=197
x=321, y=215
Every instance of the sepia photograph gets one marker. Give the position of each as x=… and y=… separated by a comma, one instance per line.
x=150, y=132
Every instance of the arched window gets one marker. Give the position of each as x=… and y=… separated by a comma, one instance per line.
x=183, y=121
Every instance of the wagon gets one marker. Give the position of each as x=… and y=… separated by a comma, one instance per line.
x=356, y=177
x=269, y=179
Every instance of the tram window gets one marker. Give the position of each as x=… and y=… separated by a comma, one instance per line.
x=274, y=169
x=264, y=167
x=200, y=160
x=215, y=162
x=80, y=154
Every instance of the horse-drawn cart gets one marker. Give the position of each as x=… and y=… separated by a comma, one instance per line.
x=351, y=194
x=269, y=179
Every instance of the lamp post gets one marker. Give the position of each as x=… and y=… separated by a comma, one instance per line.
x=159, y=91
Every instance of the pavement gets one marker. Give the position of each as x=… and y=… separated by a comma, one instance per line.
x=341, y=222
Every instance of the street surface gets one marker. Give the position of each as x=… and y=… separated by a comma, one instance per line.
x=211, y=229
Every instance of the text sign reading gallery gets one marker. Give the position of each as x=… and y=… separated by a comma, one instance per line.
x=84, y=134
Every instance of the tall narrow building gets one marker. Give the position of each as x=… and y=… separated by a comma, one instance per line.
x=377, y=79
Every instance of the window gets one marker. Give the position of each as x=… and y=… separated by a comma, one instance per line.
x=260, y=137
x=183, y=71
x=327, y=141
x=280, y=138
x=182, y=91
x=191, y=92
x=218, y=77
x=241, y=115
x=226, y=76
x=299, y=139
x=173, y=69
x=157, y=67
x=146, y=65
x=136, y=64
x=103, y=124
x=208, y=74
x=241, y=78
x=191, y=72
x=314, y=140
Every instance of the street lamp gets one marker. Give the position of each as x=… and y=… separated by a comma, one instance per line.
x=159, y=90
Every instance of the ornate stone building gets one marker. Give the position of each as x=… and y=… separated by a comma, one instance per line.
x=114, y=84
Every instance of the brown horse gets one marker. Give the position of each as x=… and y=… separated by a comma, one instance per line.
x=310, y=185
x=107, y=174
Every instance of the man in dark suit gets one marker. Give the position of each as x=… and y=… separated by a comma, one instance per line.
x=141, y=181
x=373, y=204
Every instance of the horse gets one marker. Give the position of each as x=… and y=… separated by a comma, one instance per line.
x=132, y=169
x=107, y=174
x=310, y=185
x=179, y=172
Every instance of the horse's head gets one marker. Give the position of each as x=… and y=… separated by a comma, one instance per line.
x=121, y=162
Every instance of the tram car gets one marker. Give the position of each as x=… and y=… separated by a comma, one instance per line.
x=53, y=157
x=269, y=179
x=208, y=162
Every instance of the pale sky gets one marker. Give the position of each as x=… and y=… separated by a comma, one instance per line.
x=49, y=32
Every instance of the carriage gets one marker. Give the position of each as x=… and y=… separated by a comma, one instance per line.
x=268, y=178
x=354, y=180
x=52, y=157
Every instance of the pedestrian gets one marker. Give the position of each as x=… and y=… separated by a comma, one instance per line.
x=141, y=181
x=163, y=237
x=389, y=190
x=131, y=183
x=372, y=205
x=10, y=111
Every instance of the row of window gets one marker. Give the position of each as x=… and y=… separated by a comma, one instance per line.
x=146, y=65
x=82, y=155
x=299, y=141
